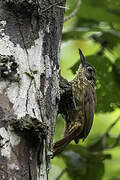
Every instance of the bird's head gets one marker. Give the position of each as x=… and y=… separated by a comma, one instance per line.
x=88, y=70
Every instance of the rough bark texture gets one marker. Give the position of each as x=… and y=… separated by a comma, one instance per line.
x=30, y=35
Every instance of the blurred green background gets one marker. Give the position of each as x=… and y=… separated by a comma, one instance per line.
x=95, y=29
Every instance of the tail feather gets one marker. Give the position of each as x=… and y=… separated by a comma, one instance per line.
x=59, y=146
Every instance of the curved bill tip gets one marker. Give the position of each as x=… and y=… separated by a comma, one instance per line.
x=82, y=58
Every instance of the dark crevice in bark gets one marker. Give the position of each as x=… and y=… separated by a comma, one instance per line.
x=42, y=82
x=27, y=98
x=30, y=128
x=21, y=33
x=40, y=153
x=33, y=112
x=30, y=176
x=2, y=171
x=34, y=21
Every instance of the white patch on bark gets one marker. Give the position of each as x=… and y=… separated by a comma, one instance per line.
x=12, y=92
x=3, y=85
x=9, y=139
x=29, y=64
x=36, y=63
x=13, y=166
x=48, y=28
x=6, y=46
x=3, y=23
x=23, y=94
x=14, y=139
x=36, y=60
x=5, y=142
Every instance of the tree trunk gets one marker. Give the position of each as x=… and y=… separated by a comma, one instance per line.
x=30, y=35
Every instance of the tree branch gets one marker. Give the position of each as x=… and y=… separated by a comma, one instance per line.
x=74, y=12
x=100, y=143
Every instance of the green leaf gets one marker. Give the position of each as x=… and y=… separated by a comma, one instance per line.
x=97, y=13
x=81, y=163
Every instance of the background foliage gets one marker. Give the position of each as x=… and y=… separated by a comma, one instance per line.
x=96, y=30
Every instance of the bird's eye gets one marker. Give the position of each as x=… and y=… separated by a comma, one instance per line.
x=89, y=69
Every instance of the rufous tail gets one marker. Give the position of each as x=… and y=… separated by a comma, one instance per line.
x=59, y=146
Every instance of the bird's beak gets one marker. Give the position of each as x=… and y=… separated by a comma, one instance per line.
x=82, y=58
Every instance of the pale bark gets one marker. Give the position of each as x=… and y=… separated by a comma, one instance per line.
x=30, y=37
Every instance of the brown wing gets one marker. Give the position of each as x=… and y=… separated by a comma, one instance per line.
x=89, y=109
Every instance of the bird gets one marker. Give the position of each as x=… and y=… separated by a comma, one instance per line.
x=77, y=105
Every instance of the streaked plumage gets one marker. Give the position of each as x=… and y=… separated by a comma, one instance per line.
x=78, y=112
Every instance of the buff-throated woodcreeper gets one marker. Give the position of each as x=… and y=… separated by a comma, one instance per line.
x=77, y=105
